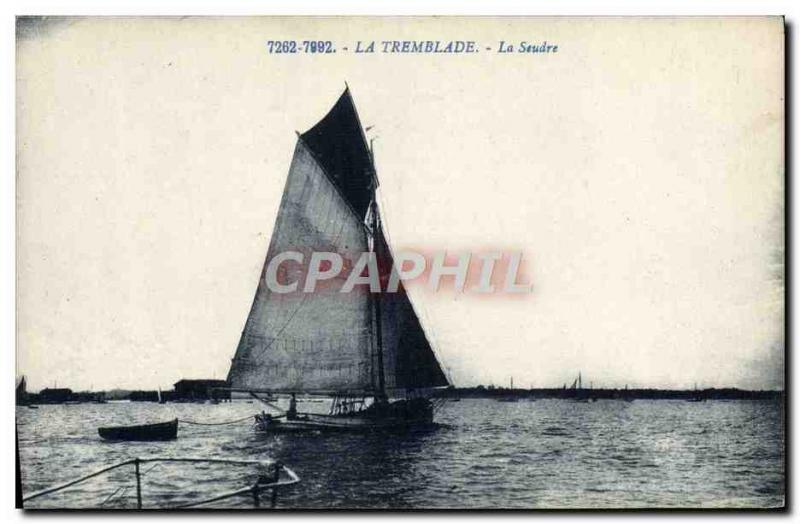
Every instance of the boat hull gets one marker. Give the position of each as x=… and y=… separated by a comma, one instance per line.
x=147, y=432
x=403, y=414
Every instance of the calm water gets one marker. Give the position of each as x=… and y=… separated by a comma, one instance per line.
x=485, y=454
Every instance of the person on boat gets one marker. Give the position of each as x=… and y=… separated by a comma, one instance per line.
x=292, y=413
x=263, y=420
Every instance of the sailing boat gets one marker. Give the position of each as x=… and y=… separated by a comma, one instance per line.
x=580, y=394
x=627, y=396
x=21, y=391
x=697, y=396
x=510, y=397
x=365, y=350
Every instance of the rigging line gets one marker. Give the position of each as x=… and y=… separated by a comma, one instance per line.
x=195, y=423
x=122, y=489
x=263, y=401
x=78, y=480
x=299, y=306
x=112, y=495
x=122, y=493
x=434, y=342
x=152, y=468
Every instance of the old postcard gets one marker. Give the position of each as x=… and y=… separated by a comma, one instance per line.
x=400, y=263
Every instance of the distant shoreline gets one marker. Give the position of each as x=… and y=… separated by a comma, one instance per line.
x=614, y=394
x=53, y=396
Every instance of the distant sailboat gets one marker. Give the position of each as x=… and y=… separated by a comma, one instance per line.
x=580, y=395
x=367, y=351
x=627, y=396
x=510, y=397
x=698, y=396
x=21, y=391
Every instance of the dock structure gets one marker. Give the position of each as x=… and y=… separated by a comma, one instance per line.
x=200, y=390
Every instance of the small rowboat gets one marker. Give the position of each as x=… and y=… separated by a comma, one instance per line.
x=160, y=431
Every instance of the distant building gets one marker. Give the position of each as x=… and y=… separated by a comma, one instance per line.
x=55, y=395
x=201, y=389
x=143, y=396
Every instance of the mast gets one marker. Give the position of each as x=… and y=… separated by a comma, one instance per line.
x=376, y=302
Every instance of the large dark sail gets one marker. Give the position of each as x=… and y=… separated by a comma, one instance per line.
x=338, y=144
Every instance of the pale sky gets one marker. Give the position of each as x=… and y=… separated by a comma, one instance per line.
x=639, y=169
